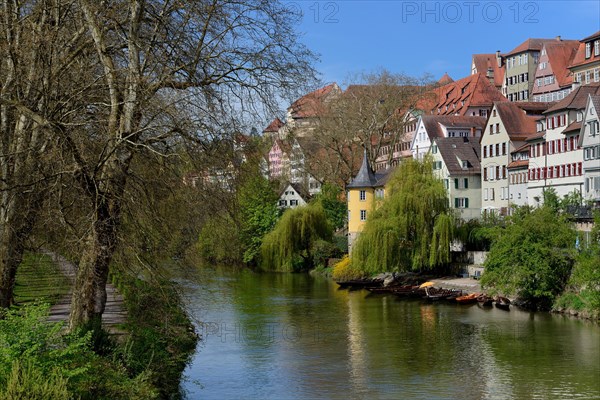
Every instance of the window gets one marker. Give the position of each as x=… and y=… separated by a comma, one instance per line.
x=578, y=77
x=504, y=148
x=588, y=49
x=461, y=202
x=466, y=183
x=497, y=128
x=434, y=149
x=485, y=153
x=597, y=47
x=363, y=195
x=485, y=194
x=455, y=183
x=597, y=75
x=293, y=202
x=446, y=184
x=282, y=203
x=363, y=215
x=465, y=165
x=588, y=75
x=492, y=194
x=497, y=149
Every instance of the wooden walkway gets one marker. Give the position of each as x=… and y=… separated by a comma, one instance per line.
x=114, y=313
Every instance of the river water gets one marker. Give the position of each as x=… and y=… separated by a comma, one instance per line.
x=293, y=336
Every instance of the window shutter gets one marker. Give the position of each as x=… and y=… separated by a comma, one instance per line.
x=455, y=183
x=466, y=202
x=456, y=203
x=466, y=183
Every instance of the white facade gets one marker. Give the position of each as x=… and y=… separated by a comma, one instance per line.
x=556, y=161
x=421, y=143
x=589, y=141
x=518, y=178
x=290, y=198
x=464, y=191
x=496, y=147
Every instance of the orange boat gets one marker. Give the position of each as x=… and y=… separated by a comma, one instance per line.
x=467, y=299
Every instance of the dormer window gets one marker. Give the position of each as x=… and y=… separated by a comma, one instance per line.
x=579, y=116
x=588, y=49
x=597, y=47
x=465, y=165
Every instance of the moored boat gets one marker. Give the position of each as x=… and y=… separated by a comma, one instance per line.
x=502, y=303
x=467, y=299
x=359, y=284
x=485, y=300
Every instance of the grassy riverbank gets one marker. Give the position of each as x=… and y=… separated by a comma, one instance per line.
x=146, y=361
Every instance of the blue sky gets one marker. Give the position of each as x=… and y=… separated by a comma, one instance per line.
x=418, y=37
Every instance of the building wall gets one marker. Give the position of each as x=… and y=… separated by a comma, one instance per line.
x=421, y=143
x=290, y=198
x=514, y=68
x=517, y=186
x=494, y=191
x=355, y=206
x=591, y=151
x=558, y=162
x=456, y=189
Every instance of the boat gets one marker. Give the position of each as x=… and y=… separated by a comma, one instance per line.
x=359, y=284
x=405, y=290
x=485, y=300
x=502, y=303
x=455, y=293
x=433, y=294
x=390, y=288
x=467, y=299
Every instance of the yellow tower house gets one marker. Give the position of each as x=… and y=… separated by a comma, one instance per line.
x=362, y=193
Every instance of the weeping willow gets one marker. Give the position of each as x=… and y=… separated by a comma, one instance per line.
x=412, y=229
x=287, y=248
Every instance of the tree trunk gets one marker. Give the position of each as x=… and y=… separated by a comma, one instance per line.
x=14, y=234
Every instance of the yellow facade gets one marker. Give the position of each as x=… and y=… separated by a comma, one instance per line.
x=356, y=205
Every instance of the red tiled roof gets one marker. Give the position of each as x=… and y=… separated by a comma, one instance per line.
x=573, y=126
x=474, y=90
x=274, y=126
x=311, y=105
x=433, y=123
x=560, y=55
x=518, y=164
x=520, y=119
x=577, y=99
x=520, y=149
x=445, y=79
x=530, y=45
x=579, y=58
x=484, y=61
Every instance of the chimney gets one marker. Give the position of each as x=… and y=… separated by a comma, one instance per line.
x=558, y=39
x=498, y=58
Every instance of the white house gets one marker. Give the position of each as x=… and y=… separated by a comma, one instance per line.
x=556, y=160
x=292, y=196
x=456, y=163
x=439, y=126
x=517, y=176
x=509, y=125
x=589, y=141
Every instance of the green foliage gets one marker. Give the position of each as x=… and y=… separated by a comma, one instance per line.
x=344, y=270
x=29, y=382
x=474, y=234
x=584, y=284
x=161, y=338
x=219, y=241
x=335, y=209
x=258, y=214
x=412, y=229
x=31, y=347
x=531, y=256
x=291, y=245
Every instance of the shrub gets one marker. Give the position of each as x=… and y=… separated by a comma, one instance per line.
x=344, y=271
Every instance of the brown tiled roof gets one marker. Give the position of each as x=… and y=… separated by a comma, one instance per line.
x=591, y=37
x=560, y=55
x=596, y=102
x=466, y=149
x=518, y=164
x=520, y=119
x=579, y=58
x=577, y=99
x=311, y=105
x=445, y=79
x=433, y=123
x=573, y=126
x=529, y=45
x=484, y=61
x=521, y=148
x=474, y=90
x=274, y=126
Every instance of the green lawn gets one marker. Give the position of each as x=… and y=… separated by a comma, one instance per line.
x=38, y=278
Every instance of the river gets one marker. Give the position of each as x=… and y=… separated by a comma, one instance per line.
x=294, y=336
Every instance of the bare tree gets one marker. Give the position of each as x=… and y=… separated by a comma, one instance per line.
x=225, y=55
x=38, y=47
x=369, y=114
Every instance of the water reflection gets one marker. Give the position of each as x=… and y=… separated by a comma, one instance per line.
x=285, y=336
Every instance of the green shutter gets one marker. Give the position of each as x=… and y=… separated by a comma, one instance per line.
x=466, y=202
x=456, y=202
x=455, y=183
x=466, y=183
